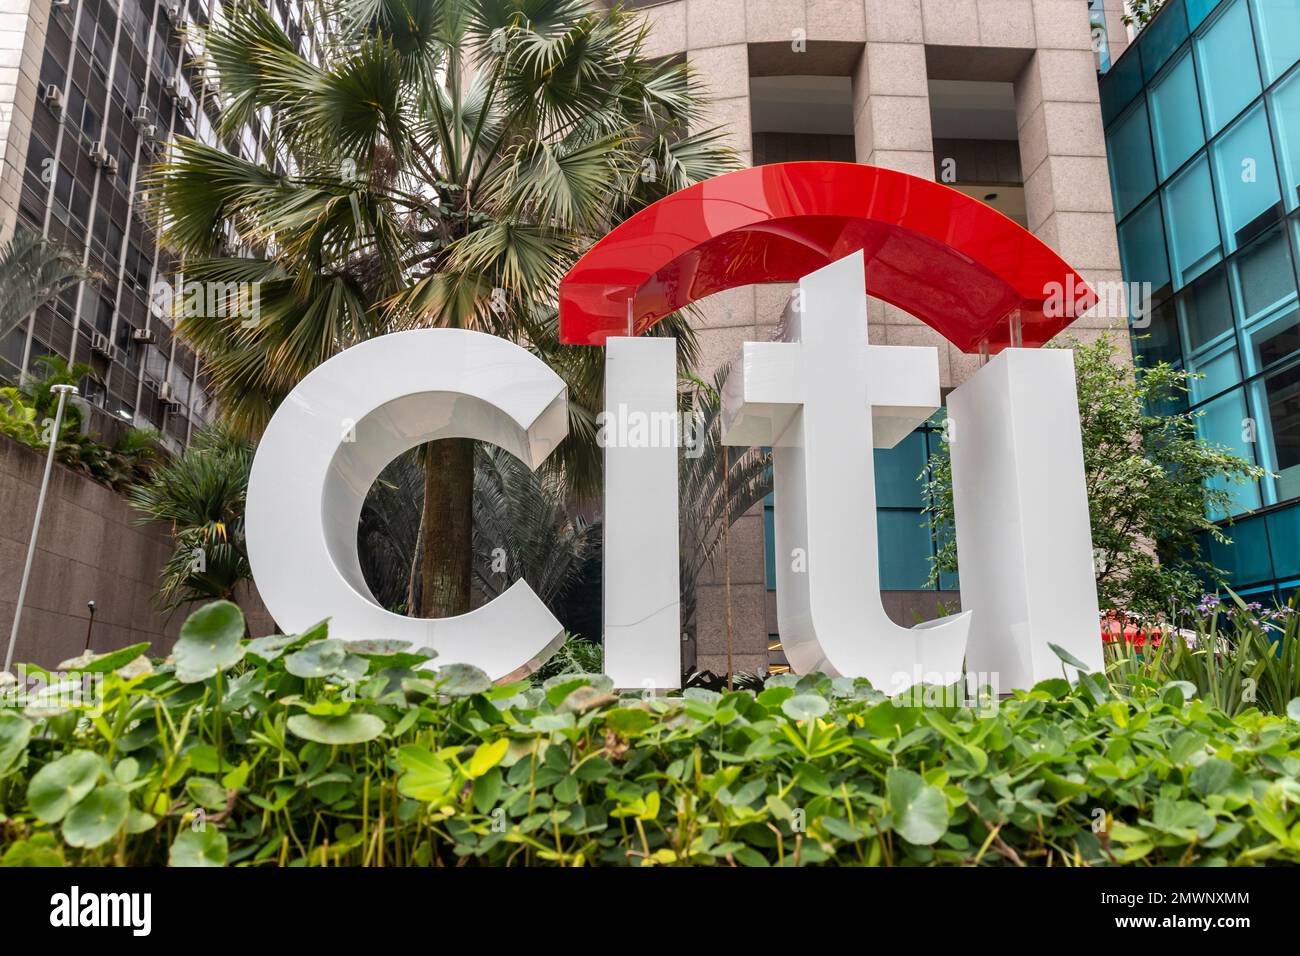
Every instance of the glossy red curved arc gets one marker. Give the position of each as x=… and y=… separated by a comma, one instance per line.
x=953, y=262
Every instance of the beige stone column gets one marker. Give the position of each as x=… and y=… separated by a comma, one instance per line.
x=22, y=45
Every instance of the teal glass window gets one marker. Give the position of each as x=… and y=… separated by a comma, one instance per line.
x=1176, y=117
x=1132, y=168
x=1193, y=229
x=1278, y=33
x=1226, y=422
x=1277, y=405
x=1161, y=38
x=1225, y=54
x=1246, y=177
x=1198, y=10
x=1265, y=291
x=1142, y=246
x=897, y=473
x=1206, y=311
x=1245, y=560
x=1284, y=541
x=1158, y=340
x=1285, y=104
x=904, y=548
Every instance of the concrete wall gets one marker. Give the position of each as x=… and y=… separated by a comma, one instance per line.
x=90, y=548
x=891, y=49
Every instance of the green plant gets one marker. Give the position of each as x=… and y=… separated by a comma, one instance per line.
x=300, y=750
x=1140, y=12
x=452, y=159
x=33, y=272
x=576, y=655
x=524, y=528
x=27, y=415
x=1150, y=478
x=201, y=495
x=1237, y=655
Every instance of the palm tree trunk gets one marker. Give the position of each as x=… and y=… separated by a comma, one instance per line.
x=447, y=518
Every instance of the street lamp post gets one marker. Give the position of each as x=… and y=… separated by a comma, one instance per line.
x=63, y=391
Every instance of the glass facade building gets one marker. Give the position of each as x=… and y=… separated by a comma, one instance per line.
x=1202, y=121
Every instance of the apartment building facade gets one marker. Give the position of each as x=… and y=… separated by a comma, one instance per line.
x=1202, y=120
x=90, y=93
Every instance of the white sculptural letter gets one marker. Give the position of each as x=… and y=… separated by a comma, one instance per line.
x=328, y=442
x=641, y=572
x=822, y=398
x=1024, y=541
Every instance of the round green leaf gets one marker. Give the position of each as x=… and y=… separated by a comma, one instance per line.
x=15, y=731
x=325, y=659
x=920, y=810
x=462, y=680
x=348, y=729
x=209, y=642
x=97, y=817
x=205, y=847
x=57, y=786
x=805, y=707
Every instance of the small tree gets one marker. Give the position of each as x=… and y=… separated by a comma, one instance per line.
x=202, y=495
x=1152, y=483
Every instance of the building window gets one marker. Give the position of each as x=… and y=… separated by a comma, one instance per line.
x=1132, y=172
x=1176, y=117
x=1277, y=403
x=1142, y=246
x=1193, y=229
x=1246, y=177
x=1278, y=33
x=1285, y=103
x=1226, y=422
x=1225, y=53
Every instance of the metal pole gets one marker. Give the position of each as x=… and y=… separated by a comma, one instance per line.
x=63, y=392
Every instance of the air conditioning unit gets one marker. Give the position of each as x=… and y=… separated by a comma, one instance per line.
x=150, y=133
x=99, y=154
x=144, y=336
x=57, y=5
x=166, y=395
x=185, y=106
x=143, y=116
x=110, y=167
x=100, y=343
x=175, y=10
x=53, y=98
x=172, y=87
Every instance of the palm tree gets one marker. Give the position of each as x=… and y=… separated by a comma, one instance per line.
x=33, y=271
x=201, y=494
x=446, y=162
x=523, y=528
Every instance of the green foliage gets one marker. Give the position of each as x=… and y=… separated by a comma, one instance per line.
x=27, y=415
x=33, y=272
x=1150, y=478
x=399, y=763
x=1237, y=656
x=201, y=495
x=1140, y=12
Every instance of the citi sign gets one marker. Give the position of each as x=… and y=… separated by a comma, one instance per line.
x=822, y=398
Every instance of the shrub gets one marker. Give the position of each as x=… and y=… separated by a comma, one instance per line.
x=303, y=750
